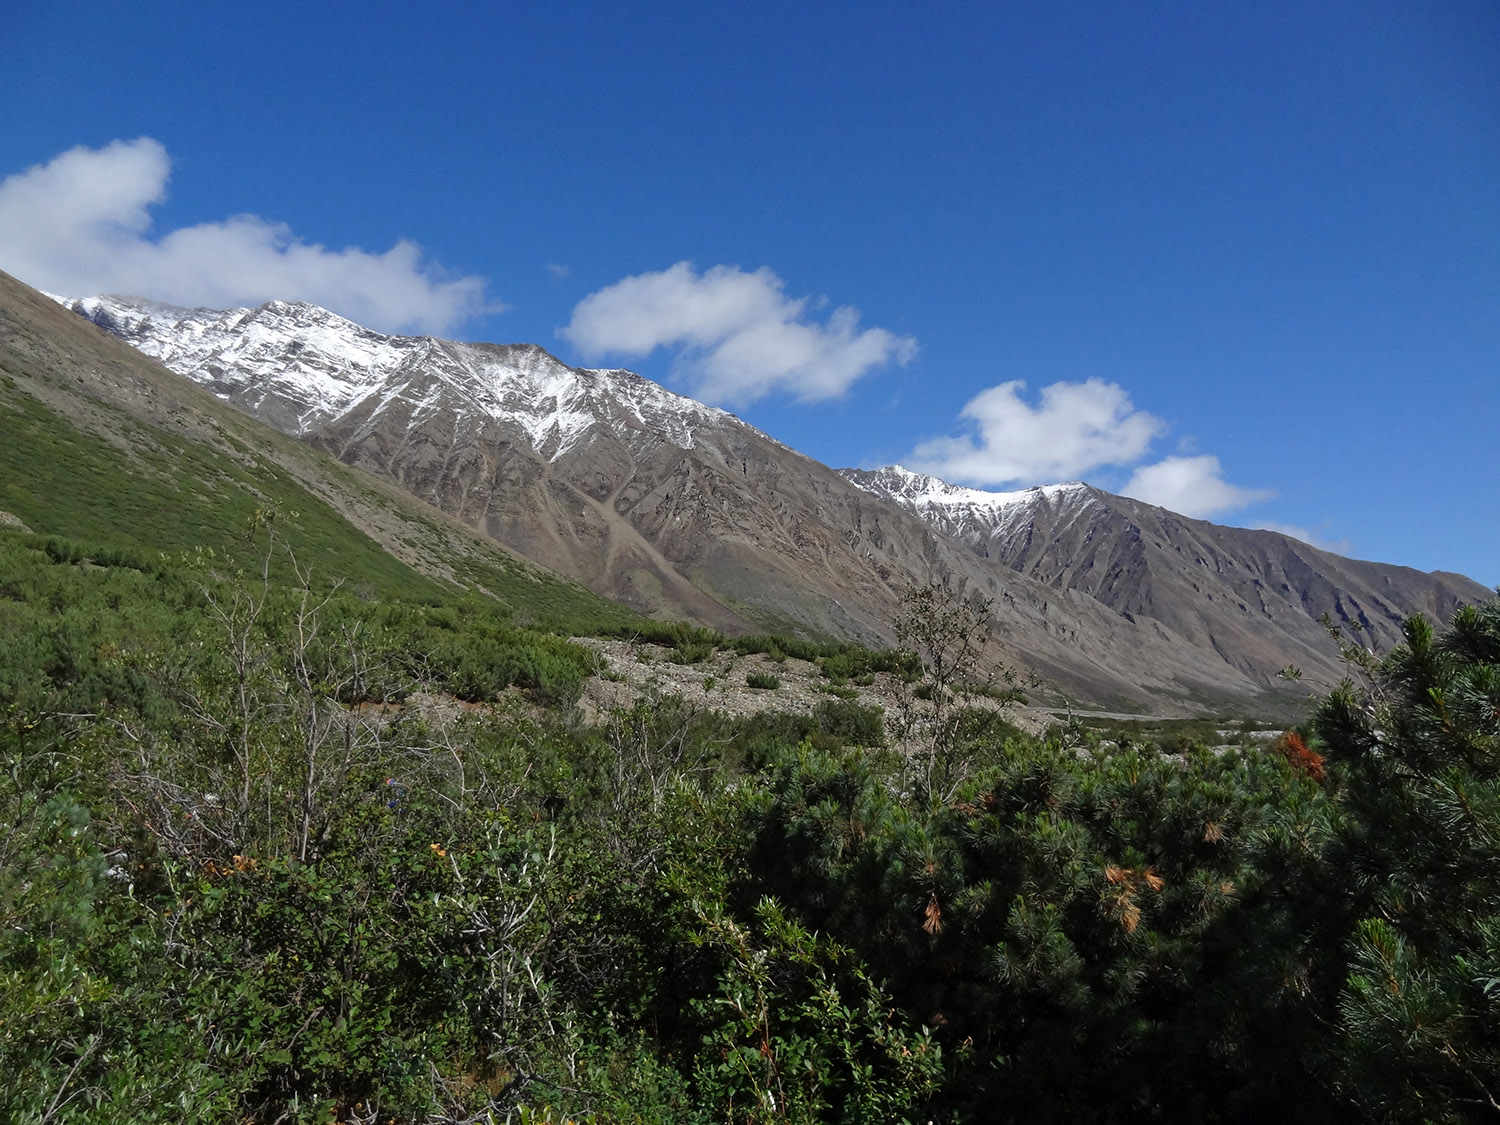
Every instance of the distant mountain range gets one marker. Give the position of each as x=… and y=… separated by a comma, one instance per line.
x=1252, y=598
x=681, y=510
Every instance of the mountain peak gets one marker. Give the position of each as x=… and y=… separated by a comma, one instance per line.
x=919, y=491
x=304, y=369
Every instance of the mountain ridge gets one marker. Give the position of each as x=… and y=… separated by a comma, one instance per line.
x=679, y=509
x=134, y=422
x=338, y=363
x=1129, y=555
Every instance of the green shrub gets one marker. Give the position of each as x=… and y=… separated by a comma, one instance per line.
x=691, y=652
x=763, y=681
x=850, y=722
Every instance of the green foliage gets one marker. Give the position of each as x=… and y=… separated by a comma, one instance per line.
x=274, y=851
x=850, y=722
x=776, y=648
x=839, y=661
x=797, y=1034
x=1169, y=736
x=763, y=681
x=480, y=660
x=691, y=654
x=90, y=1028
x=1062, y=926
x=1417, y=751
x=854, y=663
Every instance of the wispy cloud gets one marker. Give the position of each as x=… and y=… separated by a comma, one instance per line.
x=81, y=224
x=737, y=336
x=558, y=272
x=1337, y=546
x=1071, y=430
x=1191, y=486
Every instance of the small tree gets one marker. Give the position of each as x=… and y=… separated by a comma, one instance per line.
x=945, y=716
x=273, y=734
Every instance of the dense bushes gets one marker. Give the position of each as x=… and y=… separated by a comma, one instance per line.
x=1064, y=923
x=239, y=882
x=1418, y=756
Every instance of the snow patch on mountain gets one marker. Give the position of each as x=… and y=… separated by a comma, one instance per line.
x=961, y=511
x=317, y=367
x=912, y=488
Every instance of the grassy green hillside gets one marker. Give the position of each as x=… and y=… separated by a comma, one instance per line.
x=104, y=446
x=161, y=494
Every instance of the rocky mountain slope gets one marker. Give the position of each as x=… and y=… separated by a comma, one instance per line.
x=681, y=510
x=1250, y=596
x=643, y=494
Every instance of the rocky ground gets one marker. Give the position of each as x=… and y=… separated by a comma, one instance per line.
x=633, y=668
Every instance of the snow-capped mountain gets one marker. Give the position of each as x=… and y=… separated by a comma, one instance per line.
x=86, y=415
x=684, y=511
x=1238, y=592
x=971, y=515
x=671, y=506
x=303, y=369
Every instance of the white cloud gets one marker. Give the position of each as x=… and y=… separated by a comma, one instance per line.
x=81, y=225
x=1073, y=429
x=557, y=271
x=737, y=335
x=1070, y=430
x=1191, y=486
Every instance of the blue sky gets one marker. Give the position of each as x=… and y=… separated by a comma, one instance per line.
x=1241, y=259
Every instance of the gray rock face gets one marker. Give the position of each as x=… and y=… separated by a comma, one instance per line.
x=682, y=510
x=1251, y=597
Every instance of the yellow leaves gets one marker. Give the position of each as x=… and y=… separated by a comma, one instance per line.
x=1212, y=833
x=240, y=864
x=438, y=850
